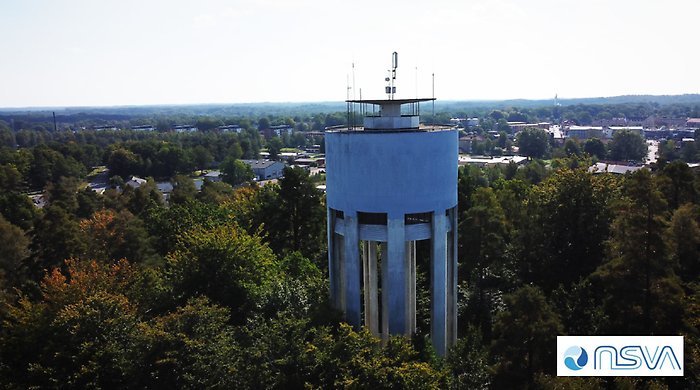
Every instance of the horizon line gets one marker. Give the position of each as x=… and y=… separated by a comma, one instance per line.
x=558, y=98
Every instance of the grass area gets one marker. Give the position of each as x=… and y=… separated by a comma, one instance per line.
x=96, y=171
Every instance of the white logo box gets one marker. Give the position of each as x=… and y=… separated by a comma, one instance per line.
x=620, y=356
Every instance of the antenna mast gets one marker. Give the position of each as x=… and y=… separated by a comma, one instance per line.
x=433, y=98
x=391, y=88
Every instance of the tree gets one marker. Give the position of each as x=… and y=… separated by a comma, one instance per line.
x=567, y=225
x=678, y=184
x=533, y=143
x=483, y=234
x=468, y=362
x=294, y=216
x=13, y=251
x=123, y=163
x=192, y=347
x=274, y=146
x=146, y=197
x=17, y=208
x=627, y=145
x=225, y=264
x=10, y=178
x=236, y=172
x=63, y=193
x=263, y=123
x=56, y=237
x=524, y=335
x=202, y=157
x=640, y=291
x=595, y=147
x=81, y=333
x=89, y=201
x=184, y=189
x=684, y=237
x=571, y=147
x=166, y=225
x=215, y=192
x=111, y=236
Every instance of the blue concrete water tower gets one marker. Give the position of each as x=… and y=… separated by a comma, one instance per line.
x=390, y=183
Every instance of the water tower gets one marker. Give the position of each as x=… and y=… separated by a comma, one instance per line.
x=390, y=183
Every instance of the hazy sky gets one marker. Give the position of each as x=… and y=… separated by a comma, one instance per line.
x=123, y=52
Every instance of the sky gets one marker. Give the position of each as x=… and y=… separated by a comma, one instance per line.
x=143, y=52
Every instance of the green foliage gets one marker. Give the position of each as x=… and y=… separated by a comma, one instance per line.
x=571, y=147
x=56, y=237
x=184, y=190
x=167, y=224
x=567, y=221
x=10, y=178
x=63, y=193
x=17, y=208
x=227, y=265
x=545, y=248
x=274, y=146
x=533, y=143
x=145, y=198
x=595, y=147
x=641, y=292
x=468, y=362
x=684, y=240
x=484, y=233
x=236, y=172
x=627, y=145
x=524, y=335
x=293, y=215
x=215, y=192
x=677, y=184
x=351, y=360
x=192, y=347
x=13, y=252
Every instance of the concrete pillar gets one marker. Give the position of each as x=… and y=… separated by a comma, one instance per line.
x=384, y=313
x=364, y=250
x=332, y=273
x=439, y=282
x=397, y=283
x=340, y=278
x=411, y=263
x=371, y=286
x=353, y=309
x=452, y=273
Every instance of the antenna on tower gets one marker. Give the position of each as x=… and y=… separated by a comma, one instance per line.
x=433, y=98
x=416, y=82
x=391, y=79
x=353, y=80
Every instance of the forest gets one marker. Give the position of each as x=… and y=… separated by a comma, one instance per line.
x=227, y=287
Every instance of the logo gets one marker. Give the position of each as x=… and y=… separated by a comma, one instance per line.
x=620, y=356
x=575, y=358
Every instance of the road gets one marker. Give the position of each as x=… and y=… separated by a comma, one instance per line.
x=652, y=151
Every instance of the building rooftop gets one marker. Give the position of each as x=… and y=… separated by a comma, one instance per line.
x=422, y=129
x=391, y=101
x=617, y=169
x=260, y=164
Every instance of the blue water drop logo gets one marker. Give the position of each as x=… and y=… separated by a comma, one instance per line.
x=575, y=358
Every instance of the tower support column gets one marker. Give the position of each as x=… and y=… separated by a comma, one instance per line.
x=371, y=286
x=439, y=281
x=452, y=273
x=411, y=280
x=352, y=272
x=397, y=291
